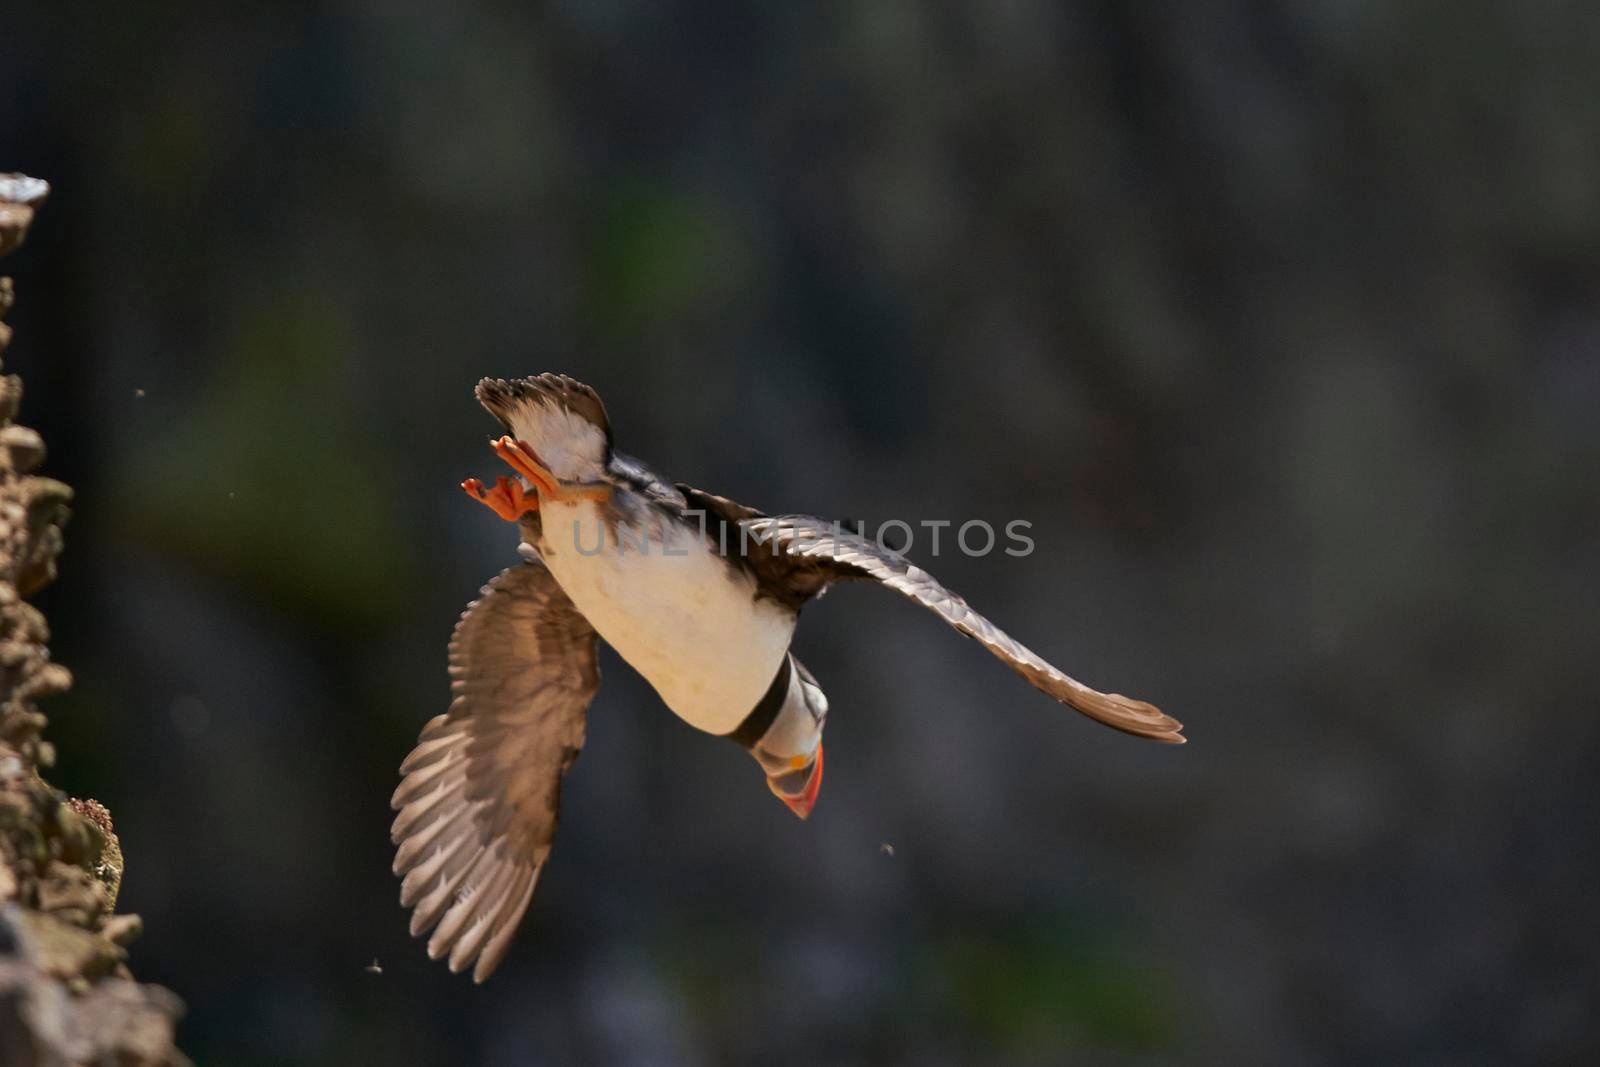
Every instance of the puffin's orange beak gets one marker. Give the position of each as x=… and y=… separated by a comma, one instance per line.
x=802, y=802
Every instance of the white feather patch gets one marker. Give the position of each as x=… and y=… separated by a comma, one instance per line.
x=570, y=445
x=678, y=612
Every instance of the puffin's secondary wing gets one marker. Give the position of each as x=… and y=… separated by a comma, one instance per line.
x=481, y=790
x=797, y=556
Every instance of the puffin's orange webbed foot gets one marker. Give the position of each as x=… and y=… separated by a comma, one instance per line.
x=507, y=499
x=521, y=457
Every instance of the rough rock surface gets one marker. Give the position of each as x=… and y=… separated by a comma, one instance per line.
x=66, y=996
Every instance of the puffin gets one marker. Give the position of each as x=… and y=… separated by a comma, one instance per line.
x=699, y=594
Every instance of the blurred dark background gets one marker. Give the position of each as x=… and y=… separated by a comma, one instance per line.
x=1280, y=323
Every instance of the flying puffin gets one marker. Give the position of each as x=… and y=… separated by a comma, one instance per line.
x=699, y=594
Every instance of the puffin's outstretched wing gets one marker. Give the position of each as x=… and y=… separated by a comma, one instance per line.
x=797, y=556
x=481, y=790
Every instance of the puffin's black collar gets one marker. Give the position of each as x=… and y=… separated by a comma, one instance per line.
x=760, y=719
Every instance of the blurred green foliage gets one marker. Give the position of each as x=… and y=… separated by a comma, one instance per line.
x=659, y=257
x=268, y=483
x=1040, y=984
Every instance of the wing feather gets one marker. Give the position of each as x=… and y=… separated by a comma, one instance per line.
x=812, y=552
x=477, y=806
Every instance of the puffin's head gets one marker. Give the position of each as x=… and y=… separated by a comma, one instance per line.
x=561, y=421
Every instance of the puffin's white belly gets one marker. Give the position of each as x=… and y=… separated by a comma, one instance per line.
x=676, y=611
